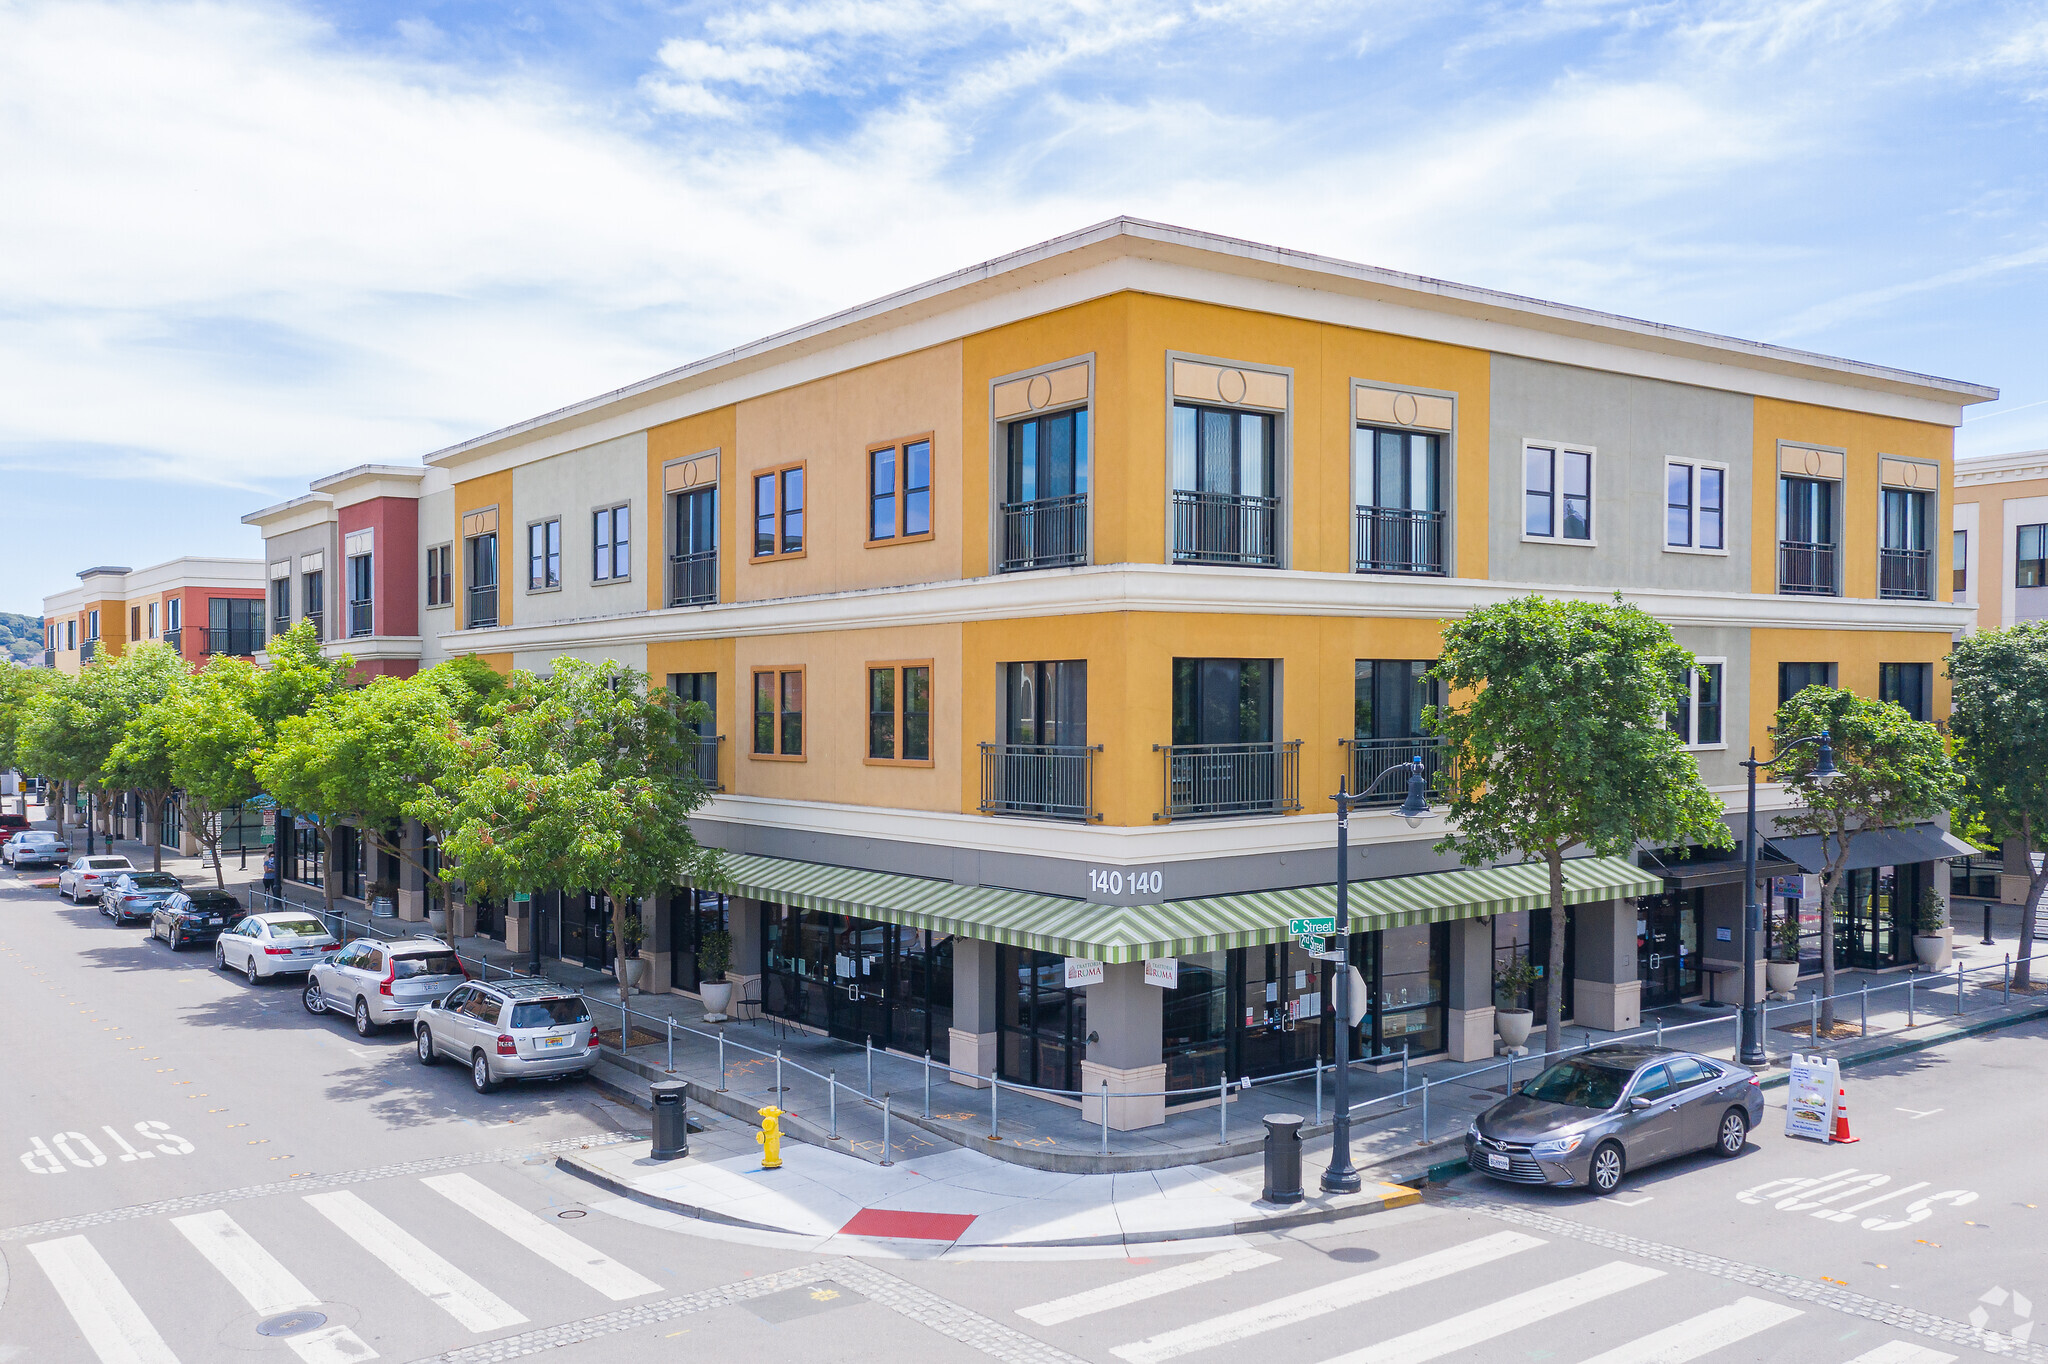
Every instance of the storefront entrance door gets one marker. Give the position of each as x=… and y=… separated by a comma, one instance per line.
x=1282, y=995
x=1668, y=947
x=858, y=1006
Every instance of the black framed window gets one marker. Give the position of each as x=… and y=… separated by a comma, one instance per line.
x=480, y=573
x=1794, y=678
x=1046, y=703
x=1557, y=492
x=1910, y=686
x=544, y=555
x=280, y=605
x=2030, y=556
x=1046, y=457
x=611, y=541
x=1222, y=700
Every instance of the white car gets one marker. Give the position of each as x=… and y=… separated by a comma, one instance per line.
x=83, y=878
x=383, y=982
x=34, y=846
x=288, y=942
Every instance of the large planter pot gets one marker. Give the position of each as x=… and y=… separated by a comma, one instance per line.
x=1781, y=977
x=717, y=999
x=381, y=908
x=1931, y=949
x=636, y=971
x=1513, y=1025
x=437, y=922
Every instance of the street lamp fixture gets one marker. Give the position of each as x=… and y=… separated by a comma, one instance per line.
x=1342, y=1176
x=1751, y=1051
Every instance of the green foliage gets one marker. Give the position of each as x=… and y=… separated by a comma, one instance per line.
x=1515, y=977
x=1559, y=741
x=1999, y=719
x=1785, y=938
x=17, y=687
x=714, y=955
x=214, y=738
x=21, y=639
x=1933, y=914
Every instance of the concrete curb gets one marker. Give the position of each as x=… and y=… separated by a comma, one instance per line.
x=1347, y=1206
x=1934, y=1037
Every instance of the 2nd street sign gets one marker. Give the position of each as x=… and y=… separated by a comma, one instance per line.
x=1311, y=928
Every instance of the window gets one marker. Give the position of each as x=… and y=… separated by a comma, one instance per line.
x=2031, y=559
x=359, y=585
x=1557, y=493
x=1909, y=686
x=134, y=623
x=544, y=555
x=779, y=512
x=693, y=540
x=1398, y=518
x=1695, y=498
x=1959, y=572
x=778, y=712
x=900, y=491
x=174, y=615
x=152, y=620
x=481, y=575
x=1698, y=723
x=1794, y=678
x=92, y=625
x=234, y=625
x=1223, y=700
x=1046, y=703
x=1806, y=552
x=611, y=544
x=314, y=596
x=1225, y=505
x=1045, y=491
x=440, y=575
x=71, y=634
x=900, y=712
x=1903, y=560
x=280, y=605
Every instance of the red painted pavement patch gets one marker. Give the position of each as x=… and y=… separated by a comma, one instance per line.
x=919, y=1226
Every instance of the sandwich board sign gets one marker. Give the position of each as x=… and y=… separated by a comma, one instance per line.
x=1810, y=1097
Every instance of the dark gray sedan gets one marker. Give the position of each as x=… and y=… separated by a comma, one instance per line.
x=1588, y=1120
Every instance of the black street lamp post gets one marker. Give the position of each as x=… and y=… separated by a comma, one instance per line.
x=1751, y=1052
x=1342, y=1175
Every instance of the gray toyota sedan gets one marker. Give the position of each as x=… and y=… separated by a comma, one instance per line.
x=1588, y=1120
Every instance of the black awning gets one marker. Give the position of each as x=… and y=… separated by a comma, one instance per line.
x=1879, y=848
x=1697, y=872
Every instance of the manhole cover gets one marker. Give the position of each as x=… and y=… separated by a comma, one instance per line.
x=570, y=1212
x=290, y=1324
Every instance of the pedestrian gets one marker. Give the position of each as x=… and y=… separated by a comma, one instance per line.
x=270, y=872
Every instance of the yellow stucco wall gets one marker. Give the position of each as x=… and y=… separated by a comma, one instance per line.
x=1994, y=575
x=1856, y=654
x=707, y=656
x=475, y=494
x=696, y=435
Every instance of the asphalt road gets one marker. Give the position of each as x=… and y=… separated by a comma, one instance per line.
x=193, y=1156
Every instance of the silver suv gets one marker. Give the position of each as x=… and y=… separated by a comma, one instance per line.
x=509, y=1030
x=383, y=982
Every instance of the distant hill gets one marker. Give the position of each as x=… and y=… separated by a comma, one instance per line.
x=21, y=637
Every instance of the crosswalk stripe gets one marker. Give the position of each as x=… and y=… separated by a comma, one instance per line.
x=1145, y=1286
x=453, y=1291
x=109, y=1319
x=1468, y=1329
x=1700, y=1335
x=1902, y=1352
x=1314, y=1302
x=267, y=1286
x=551, y=1243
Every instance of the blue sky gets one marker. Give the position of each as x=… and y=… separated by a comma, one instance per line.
x=245, y=244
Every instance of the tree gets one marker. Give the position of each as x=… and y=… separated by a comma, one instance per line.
x=297, y=685
x=1890, y=769
x=17, y=687
x=55, y=739
x=139, y=681
x=1999, y=718
x=214, y=737
x=1559, y=740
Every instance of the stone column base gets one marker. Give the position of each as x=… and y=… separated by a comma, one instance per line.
x=518, y=935
x=973, y=1052
x=1611, y=1006
x=656, y=981
x=1125, y=1115
x=412, y=906
x=2012, y=889
x=1471, y=1032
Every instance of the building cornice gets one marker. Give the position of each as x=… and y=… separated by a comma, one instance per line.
x=368, y=481
x=2013, y=468
x=375, y=648
x=307, y=509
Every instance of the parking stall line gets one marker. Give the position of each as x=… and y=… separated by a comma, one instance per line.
x=454, y=1292
x=1481, y=1324
x=109, y=1318
x=1700, y=1335
x=1903, y=1352
x=557, y=1247
x=267, y=1286
x=1316, y=1302
x=1145, y=1286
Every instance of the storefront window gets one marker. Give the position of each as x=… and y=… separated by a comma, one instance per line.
x=1874, y=915
x=1526, y=932
x=859, y=980
x=1042, y=1025
x=1196, y=1022
x=1409, y=998
x=696, y=913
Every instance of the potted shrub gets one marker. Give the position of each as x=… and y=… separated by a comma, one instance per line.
x=631, y=936
x=1781, y=972
x=1511, y=980
x=714, y=958
x=383, y=897
x=1930, y=942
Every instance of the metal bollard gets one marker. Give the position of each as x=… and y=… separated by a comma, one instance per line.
x=1813, y=1018
x=1660, y=1031
x=1283, y=1159
x=1105, y=1117
x=778, y=1074
x=1863, y=1010
x=888, y=1157
x=671, y=1120
x=1223, y=1111
x=1959, y=989
x=1404, y=1075
x=995, y=1089
x=671, y=1067
x=870, y=1042
x=2005, y=996
x=721, y=1063
x=1909, y=1001
x=832, y=1099
x=1425, y=1111
x=928, y=1084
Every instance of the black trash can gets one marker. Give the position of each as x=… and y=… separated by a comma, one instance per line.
x=672, y=1121
x=1283, y=1158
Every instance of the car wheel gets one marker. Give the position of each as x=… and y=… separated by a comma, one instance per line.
x=425, y=1038
x=480, y=1074
x=1734, y=1134
x=1605, y=1171
x=310, y=997
x=220, y=957
x=364, y=1027
x=249, y=970
x=176, y=940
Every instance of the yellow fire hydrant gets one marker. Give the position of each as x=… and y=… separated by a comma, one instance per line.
x=769, y=1138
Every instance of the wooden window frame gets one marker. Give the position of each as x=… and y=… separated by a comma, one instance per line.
x=900, y=491
x=778, y=672
x=867, y=693
x=754, y=512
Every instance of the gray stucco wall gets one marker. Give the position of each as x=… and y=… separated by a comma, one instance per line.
x=1633, y=425
x=1718, y=766
x=573, y=486
x=437, y=527
x=292, y=545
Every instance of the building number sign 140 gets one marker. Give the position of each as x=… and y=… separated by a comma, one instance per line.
x=1108, y=881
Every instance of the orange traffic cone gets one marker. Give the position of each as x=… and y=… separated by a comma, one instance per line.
x=1842, y=1137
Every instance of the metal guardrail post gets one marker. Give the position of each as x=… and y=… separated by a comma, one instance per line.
x=1959, y=989
x=778, y=1077
x=995, y=1091
x=1660, y=1031
x=721, y=1063
x=1223, y=1111
x=888, y=1157
x=671, y=1044
x=1105, y=1117
x=1863, y=1007
x=1813, y=1019
x=1319, y=1089
x=2005, y=996
x=832, y=1098
x=1425, y=1110
x=1404, y=1074
x=928, y=1084
x=871, y=1066
x=1909, y=1002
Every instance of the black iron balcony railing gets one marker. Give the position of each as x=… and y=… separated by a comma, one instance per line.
x=693, y=578
x=359, y=621
x=1051, y=532
x=1396, y=540
x=1232, y=779
x=239, y=640
x=483, y=606
x=1226, y=528
x=1042, y=781
x=176, y=640
x=49, y=658
x=1370, y=759
x=86, y=649
x=318, y=621
x=1905, y=573
x=1806, y=567
x=705, y=762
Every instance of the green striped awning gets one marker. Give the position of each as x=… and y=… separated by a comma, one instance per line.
x=1115, y=933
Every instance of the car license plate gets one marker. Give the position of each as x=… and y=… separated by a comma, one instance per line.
x=554, y=1041
x=1497, y=1162
x=214, y=920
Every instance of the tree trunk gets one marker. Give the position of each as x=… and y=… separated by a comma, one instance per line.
x=2037, y=881
x=209, y=827
x=1553, y=972
x=62, y=804
x=155, y=834
x=329, y=869
x=1827, y=945
x=619, y=948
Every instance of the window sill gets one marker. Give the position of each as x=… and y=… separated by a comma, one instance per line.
x=542, y=591
x=1705, y=748
x=1529, y=539
x=438, y=606
x=899, y=762
x=776, y=558
x=610, y=582
x=901, y=540
x=1694, y=549
x=778, y=757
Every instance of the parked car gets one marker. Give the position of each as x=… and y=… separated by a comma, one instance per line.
x=287, y=942
x=195, y=916
x=131, y=895
x=83, y=877
x=1588, y=1120
x=383, y=982
x=509, y=1030
x=12, y=824
x=35, y=846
